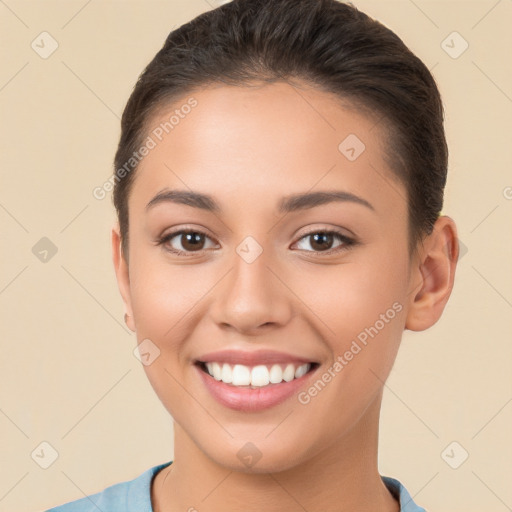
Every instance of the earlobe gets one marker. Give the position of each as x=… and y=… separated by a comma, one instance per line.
x=122, y=275
x=432, y=280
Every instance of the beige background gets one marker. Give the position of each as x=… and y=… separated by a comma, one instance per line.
x=68, y=373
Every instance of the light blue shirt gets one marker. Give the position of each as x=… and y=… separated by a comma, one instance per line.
x=135, y=496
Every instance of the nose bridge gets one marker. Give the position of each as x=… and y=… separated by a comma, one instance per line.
x=251, y=295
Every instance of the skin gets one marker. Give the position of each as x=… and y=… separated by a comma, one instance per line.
x=248, y=147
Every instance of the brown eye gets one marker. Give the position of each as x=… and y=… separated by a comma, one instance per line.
x=191, y=241
x=184, y=241
x=322, y=241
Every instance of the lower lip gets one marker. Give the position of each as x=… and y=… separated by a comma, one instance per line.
x=252, y=400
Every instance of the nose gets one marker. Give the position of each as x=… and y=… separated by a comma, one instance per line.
x=252, y=297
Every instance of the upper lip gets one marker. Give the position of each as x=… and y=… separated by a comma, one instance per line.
x=252, y=358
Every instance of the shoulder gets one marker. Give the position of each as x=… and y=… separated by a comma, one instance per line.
x=133, y=495
x=402, y=495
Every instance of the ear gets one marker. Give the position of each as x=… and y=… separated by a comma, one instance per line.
x=122, y=275
x=432, y=275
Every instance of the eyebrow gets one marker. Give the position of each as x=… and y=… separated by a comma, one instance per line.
x=287, y=204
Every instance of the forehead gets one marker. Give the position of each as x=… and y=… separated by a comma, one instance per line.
x=240, y=143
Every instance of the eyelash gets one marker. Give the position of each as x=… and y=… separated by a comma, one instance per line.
x=347, y=242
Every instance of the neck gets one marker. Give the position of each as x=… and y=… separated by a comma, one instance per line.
x=342, y=478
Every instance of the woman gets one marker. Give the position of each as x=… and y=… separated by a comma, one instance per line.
x=279, y=183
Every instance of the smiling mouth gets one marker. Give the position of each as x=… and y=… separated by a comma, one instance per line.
x=256, y=376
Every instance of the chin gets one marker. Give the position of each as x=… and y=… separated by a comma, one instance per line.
x=255, y=457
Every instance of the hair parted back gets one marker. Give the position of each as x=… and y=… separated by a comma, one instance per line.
x=327, y=44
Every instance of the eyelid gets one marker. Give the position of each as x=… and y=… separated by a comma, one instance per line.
x=166, y=237
x=326, y=229
x=348, y=241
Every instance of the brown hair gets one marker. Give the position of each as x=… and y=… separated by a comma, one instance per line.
x=328, y=44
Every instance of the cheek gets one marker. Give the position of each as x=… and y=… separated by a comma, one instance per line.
x=361, y=310
x=350, y=297
x=163, y=294
x=165, y=299
x=342, y=300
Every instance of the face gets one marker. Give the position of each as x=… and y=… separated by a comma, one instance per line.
x=267, y=281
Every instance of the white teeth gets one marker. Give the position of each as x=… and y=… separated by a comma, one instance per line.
x=289, y=373
x=227, y=374
x=257, y=376
x=241, y=375
x=301, y=370
x=276, y=374
x=216, y=371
